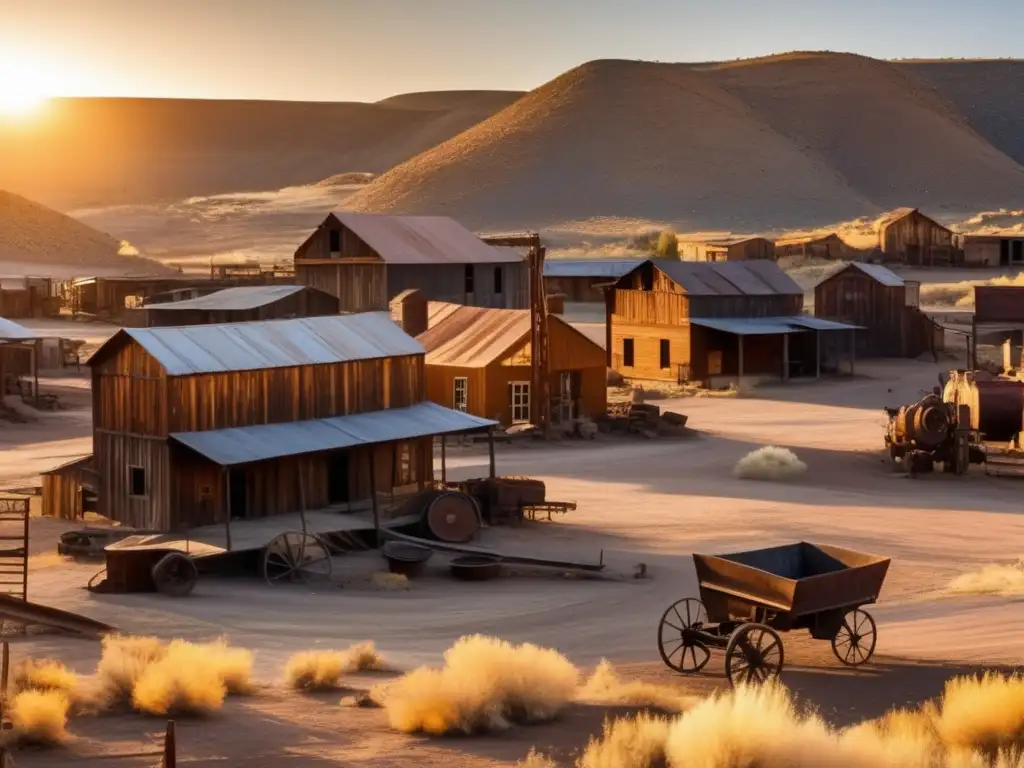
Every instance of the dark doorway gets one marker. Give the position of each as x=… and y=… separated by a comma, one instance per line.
x=237, y=487
x=337, y=479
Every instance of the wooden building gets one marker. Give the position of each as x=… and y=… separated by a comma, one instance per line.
x=907, y=236
x=22, y=297
x=993, y=250
x=368, y=259
x=69, y=490
x=999, y=321
x=829, y=246
x=480, y=361
x=200, y=425
x=727, y=249
x=242, y=304
x=583, y=280
x=716, y=323
x=886, y=305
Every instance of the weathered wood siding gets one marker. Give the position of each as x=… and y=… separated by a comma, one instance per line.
x=448, y=282
x=304, y=303
x=646, y=340
x=762, y=354
x=441, y=388
x=772, y=305
x=360, y=286
x=917, y=239
x=115, y=455
x=577, y=289
x=64, y=488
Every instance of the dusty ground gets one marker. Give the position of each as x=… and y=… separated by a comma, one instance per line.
x=639, y=501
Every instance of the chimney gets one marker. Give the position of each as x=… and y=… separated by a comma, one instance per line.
x=409, y=310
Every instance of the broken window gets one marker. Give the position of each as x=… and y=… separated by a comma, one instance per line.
x=627, y=353
x=136, y=481
x=665, y=354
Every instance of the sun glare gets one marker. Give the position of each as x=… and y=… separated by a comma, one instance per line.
x=23, y=89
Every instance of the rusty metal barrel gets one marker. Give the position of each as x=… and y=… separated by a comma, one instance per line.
x=997, y=406
x=452, y=517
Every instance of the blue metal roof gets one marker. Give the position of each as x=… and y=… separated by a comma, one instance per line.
x=184, y=351
x=598, y=268
x=747, y=326
x=820, y=324
x=238, y=298
x=243, y=445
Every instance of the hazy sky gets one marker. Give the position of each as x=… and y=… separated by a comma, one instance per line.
x=368, y=49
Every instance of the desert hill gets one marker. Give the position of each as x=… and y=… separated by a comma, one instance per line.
x=792, y=140
x=94, y=152
x=34, y=239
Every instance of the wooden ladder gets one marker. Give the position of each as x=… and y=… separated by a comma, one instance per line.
x=14, y=515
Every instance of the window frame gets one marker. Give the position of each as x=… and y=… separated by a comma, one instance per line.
x=628, y=352
x=132, y=469
x=468, y=279
x=520, y=389
x=499, y=280
x=664, y=354
x=464, y=380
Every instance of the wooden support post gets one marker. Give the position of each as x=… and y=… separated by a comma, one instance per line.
x=35, y=372
x=817, y=354
x=853, y=350
x=226, y=476
x=170, y=747
x=373, y=498
x=444, y=462
x=490, y=451
x=302, y=499
x=785, y=357
x=5, y=676
x=739, y=376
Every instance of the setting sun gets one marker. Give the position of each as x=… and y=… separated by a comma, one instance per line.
x=23, y=89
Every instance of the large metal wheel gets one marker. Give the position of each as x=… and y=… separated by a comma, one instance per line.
x=754, y=655
x=854, y=642
x=175, y=574
x=679, y=652
x=296, y=556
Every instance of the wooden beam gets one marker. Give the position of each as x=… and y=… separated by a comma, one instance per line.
x=373, y=498
x=302, y=498
x=817, y=354
x=739, y=376
x=785, y=357
x=490, y=450
x=35, y=371
x=226, y=478
x=444, y=463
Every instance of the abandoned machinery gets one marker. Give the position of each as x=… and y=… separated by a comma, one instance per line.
x=928, y=432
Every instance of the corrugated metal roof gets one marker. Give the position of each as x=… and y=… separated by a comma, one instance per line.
x=243, y=445
x=747, y=326
x=423, y=240
x=240, y=298
x=188, y=350
x=820, y=324
x=607, y=268
x=756, y=277
x=439, y=310
x=884, y=275
x=11, y=331
x=473, y=337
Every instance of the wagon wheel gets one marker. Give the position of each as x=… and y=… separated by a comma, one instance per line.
x=854, y=641
x=754, y=655
x=296, y=556
x=679, y=652
x=175, y=574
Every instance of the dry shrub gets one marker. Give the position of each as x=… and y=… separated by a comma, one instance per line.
x=633, y=742
x=45, y=675
x=769, y=462
x=390, y=581
x=40, y=717
x=1006, y=580
x=605, y=687
x=322, y=670
x=535, y=759
x=123, y=660
x=984, y=713
x=193, y=678
x=484, y=685
x=961, y=294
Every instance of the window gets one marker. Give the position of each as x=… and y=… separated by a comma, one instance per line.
x=520, y=397
x=469, y=278
x=460, y=398
x=497, y=280
x=335, y=241
x=136, y=481
x=665, y=355
x=647, y=278
x=627, y=353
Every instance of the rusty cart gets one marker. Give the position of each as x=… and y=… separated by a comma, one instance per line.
x=748, y=598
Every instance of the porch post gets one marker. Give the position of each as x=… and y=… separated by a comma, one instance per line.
x=302, y=497
x=853, y=350
x=490, y=450
x=444, y=463
x=373, y=498
x=817, y=354
x=739, y=377
x=785, y=357
x=35, y=371
x=225, y=478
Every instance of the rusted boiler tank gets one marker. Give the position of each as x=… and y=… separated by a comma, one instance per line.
x=996, y=406
x=926, y=432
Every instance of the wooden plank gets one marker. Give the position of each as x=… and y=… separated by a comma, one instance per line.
x=509, y=559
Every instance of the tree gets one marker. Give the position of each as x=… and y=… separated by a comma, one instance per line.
x=667, y=246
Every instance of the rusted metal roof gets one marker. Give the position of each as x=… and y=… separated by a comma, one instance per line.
x=423, y=240
x=12, y=331
x=439, y=310
x=244, y=445
x=473, y=337
x=184, y=351
x=240, y=298
x=757, y=277
x=598, y=268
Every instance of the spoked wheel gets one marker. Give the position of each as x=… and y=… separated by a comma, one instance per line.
x=175, y=574
x=679, y=652
x=854, y=643
x=754, y=655
x=296, y=556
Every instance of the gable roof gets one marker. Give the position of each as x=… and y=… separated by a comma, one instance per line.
x=188, y=350
x=758, y=277
x=239, y=298
x=876, y=272
x=422, y=239
x=890, y=218
x=608, y=268
x=807, y=239
x=475, y=337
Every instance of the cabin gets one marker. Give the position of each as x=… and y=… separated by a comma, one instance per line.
x=248, y=303
x=69, y=490
x=909, y=237
x=727, y=249
x=886, y=305
x=717, y=323
x=366, y=260
x=993, y=250
x=999, y=320
x=479, y=361
x=583, y=280
x=23, y=297
x=194, y=426
x=829, y=246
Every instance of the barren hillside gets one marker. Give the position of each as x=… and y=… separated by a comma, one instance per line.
x=794, y=140
x=618, y=139
x=98, y=152
x=34, y=238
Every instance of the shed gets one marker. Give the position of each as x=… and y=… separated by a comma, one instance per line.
x=18, y=344
x=242, y=304
x=480, y=361
x=907, y=236
x=69, y=490
x=201, y=425
x=367, y=259
x=993, y=250
x=999, y=320
x=22, y=297
x=716, y=323
x=727, y=249
x=828, y=246
x=583, y=280
x=885, y=304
